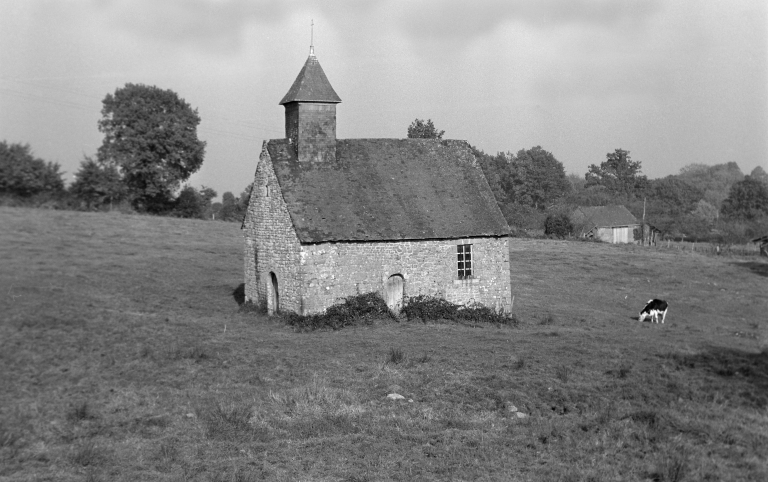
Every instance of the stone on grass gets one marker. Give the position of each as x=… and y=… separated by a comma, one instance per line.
x=521, y=414
x=395, y=396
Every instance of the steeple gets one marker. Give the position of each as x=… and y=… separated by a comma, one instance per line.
x=310, y=112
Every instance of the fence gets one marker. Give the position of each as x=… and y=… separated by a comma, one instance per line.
x=714, y=249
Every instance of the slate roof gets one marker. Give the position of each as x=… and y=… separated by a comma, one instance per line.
x=388, y=189
x=311, y=85
x=603, y=216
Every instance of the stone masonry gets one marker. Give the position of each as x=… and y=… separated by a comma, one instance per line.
x=312, y=277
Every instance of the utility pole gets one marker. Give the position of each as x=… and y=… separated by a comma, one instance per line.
x=643, y=221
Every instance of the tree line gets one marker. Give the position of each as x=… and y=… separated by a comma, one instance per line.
x=150, y=148
x=717, y=203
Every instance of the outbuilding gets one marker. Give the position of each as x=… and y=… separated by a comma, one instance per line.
x=330, y=218
x=612, y=224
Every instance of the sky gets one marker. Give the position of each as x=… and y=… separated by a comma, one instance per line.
x=674, y=82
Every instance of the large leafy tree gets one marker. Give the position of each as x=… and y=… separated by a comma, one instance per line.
x=150, y=134
x=747, y=200
x=420, y=129
x=192, y=203
x=537, y=178
x=759, y=174
x=619, y=174
x=22, y=174
x=97, y=184
x=714, y=181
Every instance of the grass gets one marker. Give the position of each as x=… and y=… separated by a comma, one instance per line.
x=124, y=355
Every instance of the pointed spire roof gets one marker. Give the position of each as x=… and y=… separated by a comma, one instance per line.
x=311, y=85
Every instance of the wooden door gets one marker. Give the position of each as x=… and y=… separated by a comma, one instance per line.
x=393, y=292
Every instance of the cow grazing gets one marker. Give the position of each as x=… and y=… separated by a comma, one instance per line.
x=653, y=309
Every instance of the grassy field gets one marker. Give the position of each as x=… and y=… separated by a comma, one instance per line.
x=123, y=356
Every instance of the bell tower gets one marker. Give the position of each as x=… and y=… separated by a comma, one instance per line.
x=310, y=113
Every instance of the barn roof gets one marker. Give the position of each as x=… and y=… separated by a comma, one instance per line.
x=603, y=216
x=388, y=189
x=311, y=85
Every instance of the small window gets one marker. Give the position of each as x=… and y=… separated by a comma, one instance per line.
x=464, y=258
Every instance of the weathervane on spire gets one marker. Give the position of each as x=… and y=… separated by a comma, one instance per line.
x=312, y=38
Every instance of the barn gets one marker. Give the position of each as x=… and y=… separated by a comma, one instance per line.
x=329, y=218
x=612, y=224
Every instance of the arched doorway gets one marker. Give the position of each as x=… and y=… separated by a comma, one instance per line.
x=273, y=294
x=393, y=292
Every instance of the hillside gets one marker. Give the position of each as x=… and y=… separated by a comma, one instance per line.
x=123, y=356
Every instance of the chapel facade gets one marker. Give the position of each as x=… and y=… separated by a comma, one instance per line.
x=330, y=218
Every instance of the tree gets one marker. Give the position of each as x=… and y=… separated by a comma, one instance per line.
x=22, y=174
x=150, y=134
x=228, y=207
x=192, y=203
x=558, y=225
x=420, y=129
x=97, y=184
x=537, y=178
x=619, y=174
x=747, y=200
x=713, y=181
x=759, y=174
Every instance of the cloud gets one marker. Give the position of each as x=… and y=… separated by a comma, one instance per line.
x=207, y=24
x=458, y=20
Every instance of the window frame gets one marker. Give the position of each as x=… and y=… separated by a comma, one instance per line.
x=464, y=261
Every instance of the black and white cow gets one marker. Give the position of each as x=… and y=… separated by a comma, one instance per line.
x=653, y=309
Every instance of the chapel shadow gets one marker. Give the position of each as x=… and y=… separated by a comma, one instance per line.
x=239, y=294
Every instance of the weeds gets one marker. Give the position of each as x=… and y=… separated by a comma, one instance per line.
x=79, y=412
x=396, y=356
x=229, y=422
x=9, y=437
x=196, y=353
x=167, y=453
x=254, y=308
x=673, y=467
x=363, y=309
x=87, y=454
x=354, y=310
x=431, y=308
x=563, y=373
x=548, y=319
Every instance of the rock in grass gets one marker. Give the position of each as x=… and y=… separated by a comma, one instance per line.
x=395, y=396
x=521, y=414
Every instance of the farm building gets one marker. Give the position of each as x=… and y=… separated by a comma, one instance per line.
x=330, y=218
x=762, y=243
x=612, y=224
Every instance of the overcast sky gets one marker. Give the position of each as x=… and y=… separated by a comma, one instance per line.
x=673, y=82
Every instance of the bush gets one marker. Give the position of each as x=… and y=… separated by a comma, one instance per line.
x=431, y=308
x=353, y=310
x=558, y=225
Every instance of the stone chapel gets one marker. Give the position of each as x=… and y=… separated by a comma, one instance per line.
x=330, y=218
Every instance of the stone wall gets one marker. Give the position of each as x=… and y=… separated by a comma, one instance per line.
x=271, y=245
x=312, y=127
x=332, y=271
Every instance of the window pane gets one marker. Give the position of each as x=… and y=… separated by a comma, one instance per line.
x=460, y=257
x=468, y=256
